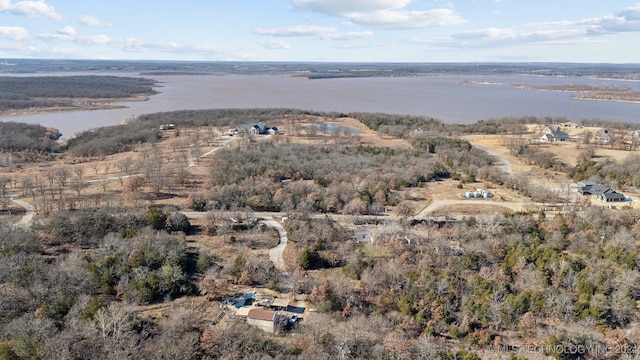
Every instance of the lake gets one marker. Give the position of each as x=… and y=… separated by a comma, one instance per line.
x=450, y=98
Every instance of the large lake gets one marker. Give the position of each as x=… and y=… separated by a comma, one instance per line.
x=441, y=97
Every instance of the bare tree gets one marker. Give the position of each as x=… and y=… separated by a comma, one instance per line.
x=95, y=165
x=405, y=209
x=78, y=181
x=4, y=180
x=62, y=175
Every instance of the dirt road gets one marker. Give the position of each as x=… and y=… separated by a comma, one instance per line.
x=27, y=219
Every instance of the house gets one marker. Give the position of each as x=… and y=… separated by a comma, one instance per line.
x=603, y=136
x=611, y=197
x=552, y=133
x=267, y=320
x=584, y=187
x=262, y=129
x=548, y=138
x=602, y=193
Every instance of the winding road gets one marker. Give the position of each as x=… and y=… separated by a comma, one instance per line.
x=27, y=219
x=506, y=166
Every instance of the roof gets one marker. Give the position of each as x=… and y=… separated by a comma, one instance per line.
x=261, y=314
x=243, y=311
x=586, y=183
x=280, y=303
x=599, y=189
x=613, y=195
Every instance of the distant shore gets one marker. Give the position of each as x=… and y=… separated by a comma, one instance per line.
x=77, y=105
x=590, y=92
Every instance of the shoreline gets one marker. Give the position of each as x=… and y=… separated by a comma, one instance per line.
x=98, y=104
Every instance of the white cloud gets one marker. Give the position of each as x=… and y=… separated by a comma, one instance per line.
x=275, y=44
x=67, y=30
x=321, y=32
x=38, y=8
x=557, y=32
x=89, y=20
x=302, y=30
x=382, y=13
x=351, y=35
x=407, y=19
x=626, y=20
x=16, y=33
x=501, y=37
x=93, y=40
x=69, y=34
x=342, y=7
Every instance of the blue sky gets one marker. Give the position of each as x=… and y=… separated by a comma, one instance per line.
x=323, y=30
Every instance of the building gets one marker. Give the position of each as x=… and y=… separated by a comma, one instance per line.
x=603, y=136
x=267, y=320
x=262, y=129
x=553, y=133
x=584, y=187
x=611, y=197
x=602, y=193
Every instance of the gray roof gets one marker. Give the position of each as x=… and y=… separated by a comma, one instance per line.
x=613, y=196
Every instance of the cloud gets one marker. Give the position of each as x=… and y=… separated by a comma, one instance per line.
x=351, y=35
x=67, y=30
x=626, y=20
x=38, y=8
x=321, y=32
x=501, y=37
x=69, y=34
x=275, y=44
x=16, y=33
x=89, y=20
x=302, y=30
x=557, y=32
x=93, y=40
x=342, y=7
x=407, y=19
x=382, y=13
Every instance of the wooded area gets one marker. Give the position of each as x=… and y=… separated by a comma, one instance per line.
x=57, y=91
x=82, y=281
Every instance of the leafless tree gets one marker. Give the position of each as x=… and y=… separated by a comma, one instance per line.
x=78, y=181
x=4, y=180
x=62, y=175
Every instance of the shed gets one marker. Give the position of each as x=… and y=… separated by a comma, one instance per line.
x=264, y=319
x=280, y=304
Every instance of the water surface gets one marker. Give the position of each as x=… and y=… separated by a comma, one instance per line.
x=441, y=97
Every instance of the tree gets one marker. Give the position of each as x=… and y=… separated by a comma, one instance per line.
x=156, y=218
x=178, y=222
x=62, y=175
x=405, y=209
x=134, y=186
x=308, y=259
x=4, y=180
x=78, y=181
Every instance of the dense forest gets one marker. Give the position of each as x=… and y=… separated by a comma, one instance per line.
x=51, y=91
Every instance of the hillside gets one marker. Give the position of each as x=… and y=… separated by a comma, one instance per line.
x=140, y=237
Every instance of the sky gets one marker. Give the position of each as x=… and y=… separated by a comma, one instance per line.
x=585, y=31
